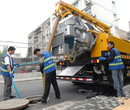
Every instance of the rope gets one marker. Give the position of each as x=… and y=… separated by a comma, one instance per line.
x=13, y=78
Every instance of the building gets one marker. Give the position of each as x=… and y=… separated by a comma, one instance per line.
x=128, y=33
x=103, y=10
x=17, y=60
x=124, y=34
x=39, y=38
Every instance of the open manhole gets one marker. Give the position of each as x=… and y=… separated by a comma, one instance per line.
x=34, y=99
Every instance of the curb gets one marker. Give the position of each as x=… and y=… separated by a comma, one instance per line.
x=24, y=79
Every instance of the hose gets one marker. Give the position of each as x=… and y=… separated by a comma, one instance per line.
x=13, y=78
x=74, y=58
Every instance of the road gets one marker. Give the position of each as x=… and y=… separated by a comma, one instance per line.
x=69, y=96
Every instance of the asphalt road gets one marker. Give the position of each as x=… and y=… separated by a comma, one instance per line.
x=69, y=95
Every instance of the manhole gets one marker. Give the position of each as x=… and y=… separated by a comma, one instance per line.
x=34, y=99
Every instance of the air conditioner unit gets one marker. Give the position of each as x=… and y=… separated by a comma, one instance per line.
x=88, y=2
x=93, y=15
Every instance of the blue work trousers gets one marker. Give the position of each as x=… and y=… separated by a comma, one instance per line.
x=118, y=82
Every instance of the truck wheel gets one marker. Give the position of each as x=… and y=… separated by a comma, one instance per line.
x=99, y=68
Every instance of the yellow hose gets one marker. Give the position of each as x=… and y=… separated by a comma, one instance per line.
x=44, y=79
x=49, y=47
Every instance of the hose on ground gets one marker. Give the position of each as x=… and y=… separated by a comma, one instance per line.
x=13, y=78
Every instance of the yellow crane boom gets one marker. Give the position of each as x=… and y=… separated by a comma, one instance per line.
x=64, y=9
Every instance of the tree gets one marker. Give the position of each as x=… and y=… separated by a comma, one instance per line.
x=3, y=52
x=26, y=59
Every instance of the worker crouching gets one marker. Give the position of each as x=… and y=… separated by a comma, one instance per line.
x=49, y=70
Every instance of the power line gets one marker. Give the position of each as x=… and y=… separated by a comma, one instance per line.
x=14, y=46
x=14, y=42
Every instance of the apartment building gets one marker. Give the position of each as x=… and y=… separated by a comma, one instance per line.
x=39, y=38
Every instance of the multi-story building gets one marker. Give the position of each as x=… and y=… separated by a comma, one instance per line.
x=128, y=33
x=103, y=10
x=39, y=38
x=124, y=34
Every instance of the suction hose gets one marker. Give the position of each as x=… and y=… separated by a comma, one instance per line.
x=13, y=78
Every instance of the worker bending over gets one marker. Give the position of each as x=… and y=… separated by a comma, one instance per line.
x=115, y=65
x=50, y=73
x=7, y=67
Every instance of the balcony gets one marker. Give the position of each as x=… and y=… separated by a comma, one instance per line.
x=38, y=30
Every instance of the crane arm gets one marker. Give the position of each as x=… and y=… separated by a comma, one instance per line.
x=64, y=9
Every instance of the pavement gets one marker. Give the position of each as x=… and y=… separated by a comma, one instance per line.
x=30, y=84
x=71, y=98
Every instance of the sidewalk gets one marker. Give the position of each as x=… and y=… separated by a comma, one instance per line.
x=18, y=77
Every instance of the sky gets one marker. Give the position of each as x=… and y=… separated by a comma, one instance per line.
x=18, y=18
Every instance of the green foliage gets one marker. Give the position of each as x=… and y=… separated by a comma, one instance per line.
x=3, y=52
x=26, y=59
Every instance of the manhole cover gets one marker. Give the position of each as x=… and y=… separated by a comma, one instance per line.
x=34, y=99
x=14, y=104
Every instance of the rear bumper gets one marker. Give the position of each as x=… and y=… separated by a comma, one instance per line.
x=83, y=80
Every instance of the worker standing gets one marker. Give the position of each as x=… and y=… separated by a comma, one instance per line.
x=50, y=73
x=7, y=66
x=115, y=65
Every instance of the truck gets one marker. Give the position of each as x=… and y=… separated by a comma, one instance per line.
x=79, y=42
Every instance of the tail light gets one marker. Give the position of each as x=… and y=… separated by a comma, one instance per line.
x=61, y=63
x=95, y=61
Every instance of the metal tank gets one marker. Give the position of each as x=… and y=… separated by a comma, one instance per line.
x=72, y=37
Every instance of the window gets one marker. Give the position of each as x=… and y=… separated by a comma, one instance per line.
x=113, y=3
x=36, y=39
x=29, y=43
x=128, y=34
x=48, y=31
x=115, y=16
x=76, y=5
x=30, y=49
x=48, y=23
x=116, y=30
x=29, y=37
x=38, y=31
x=88, y=11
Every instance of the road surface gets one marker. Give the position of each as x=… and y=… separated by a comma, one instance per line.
x=71, y=99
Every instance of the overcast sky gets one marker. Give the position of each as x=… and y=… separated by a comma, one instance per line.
x=18, y=18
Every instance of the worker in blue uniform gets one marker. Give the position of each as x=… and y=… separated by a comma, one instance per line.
x=6, y=71
x=50, y=73
x=115, y=65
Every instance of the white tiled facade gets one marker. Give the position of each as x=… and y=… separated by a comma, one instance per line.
x=103, y=10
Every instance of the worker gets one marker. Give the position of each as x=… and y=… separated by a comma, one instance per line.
x=7, y=66
x=115, y=65
x=50, y=73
